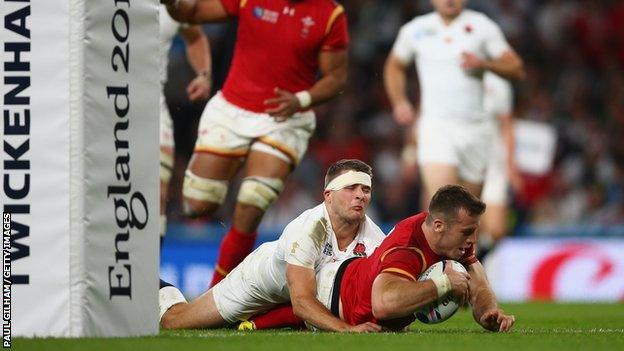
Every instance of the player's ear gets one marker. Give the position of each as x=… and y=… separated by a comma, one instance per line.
x=438, y=225
x=327, y=195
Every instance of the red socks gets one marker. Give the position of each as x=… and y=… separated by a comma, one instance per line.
x=280, y=317
x=235, y=247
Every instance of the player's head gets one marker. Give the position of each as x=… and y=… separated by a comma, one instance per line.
x=454, y=215
x=448, y=8
x=348, y=189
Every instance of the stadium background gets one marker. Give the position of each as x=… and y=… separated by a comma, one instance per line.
x=574, y=56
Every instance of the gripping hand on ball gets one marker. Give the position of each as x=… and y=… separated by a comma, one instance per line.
x=459, y=284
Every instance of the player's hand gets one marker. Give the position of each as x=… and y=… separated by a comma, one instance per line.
x=459, y=284
x=285, y=105
x=404, y=113
x=470, y=61
x=199, y=88
x=367, y=327
x=496, y=320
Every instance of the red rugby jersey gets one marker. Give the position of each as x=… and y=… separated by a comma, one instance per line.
x=277, y=45
x=404, y=252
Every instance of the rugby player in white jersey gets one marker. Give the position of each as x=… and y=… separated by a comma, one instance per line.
x=452, y=47
x=285, y=270
x=198, y=54
x=501, y=169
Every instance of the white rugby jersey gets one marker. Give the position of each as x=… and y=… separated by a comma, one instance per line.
x=447, y=90
x=168, y=29
x=308, y=241
x=498, y=99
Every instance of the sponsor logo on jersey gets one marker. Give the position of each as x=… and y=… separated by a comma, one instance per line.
x=265, y=15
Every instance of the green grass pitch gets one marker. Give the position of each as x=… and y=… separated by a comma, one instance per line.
x=539, y=326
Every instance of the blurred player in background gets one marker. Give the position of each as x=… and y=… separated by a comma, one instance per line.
x=501, y=169
x=384, y=287
x=452, y=47
x=198, y=54
x=285, y=270
x=263, y=114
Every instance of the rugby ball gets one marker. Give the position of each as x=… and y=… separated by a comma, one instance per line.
x=445, y=307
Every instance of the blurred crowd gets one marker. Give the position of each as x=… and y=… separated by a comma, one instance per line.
x=574, y=56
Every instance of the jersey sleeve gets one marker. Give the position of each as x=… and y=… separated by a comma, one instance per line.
x=336, y=32
x=403, y=47
x=407, y=262
x=232, y=7
x=495, y=42
x=469, y=257
x=302, y=246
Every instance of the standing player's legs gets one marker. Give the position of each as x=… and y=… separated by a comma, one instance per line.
x=452, y=152
x=494, y=221
x=206, y=182
x=166, y=169
x=435, y=176
x=166, y=161
x=265, y=174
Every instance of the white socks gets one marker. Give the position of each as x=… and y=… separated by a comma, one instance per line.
x=167, y=297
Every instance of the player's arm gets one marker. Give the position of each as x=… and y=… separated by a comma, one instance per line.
x=394, y=296
x=506, y=122
x=485, y=309
x=395, y=82
x=509, y=65
x=198, y=55
x=196, y=11
x=302, y=286
x=333, y=66
x=396, y=292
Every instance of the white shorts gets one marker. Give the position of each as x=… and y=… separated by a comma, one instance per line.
x=166, y=124
x=496, y=178
x=226, y=129
x=464, y=145
x=247, y=290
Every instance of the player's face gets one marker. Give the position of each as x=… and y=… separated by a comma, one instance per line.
x=350, y=203
x=448, y=8
x=460, y=235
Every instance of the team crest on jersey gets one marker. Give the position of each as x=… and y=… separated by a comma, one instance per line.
x=359, y=250
x=307, y=23
x=265, y=15
x=328, y=249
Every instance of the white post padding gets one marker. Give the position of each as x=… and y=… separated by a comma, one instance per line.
x=80, y=106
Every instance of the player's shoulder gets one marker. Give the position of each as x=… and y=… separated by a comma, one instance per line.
x=410, y=222
x=330, y=7
x=310, y=215
x=479, y=18
x=419, y=22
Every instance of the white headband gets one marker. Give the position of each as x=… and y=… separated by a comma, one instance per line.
x=349, y=178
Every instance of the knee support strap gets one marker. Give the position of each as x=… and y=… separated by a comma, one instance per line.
x=204, y=189
x=260, y=191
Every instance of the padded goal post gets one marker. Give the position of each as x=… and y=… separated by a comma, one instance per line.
x=79, y=131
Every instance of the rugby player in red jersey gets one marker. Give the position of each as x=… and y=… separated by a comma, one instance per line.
x=263, y=113
x=384, y=288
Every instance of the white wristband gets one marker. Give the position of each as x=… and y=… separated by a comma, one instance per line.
x=305, y=99
x=443, y=284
